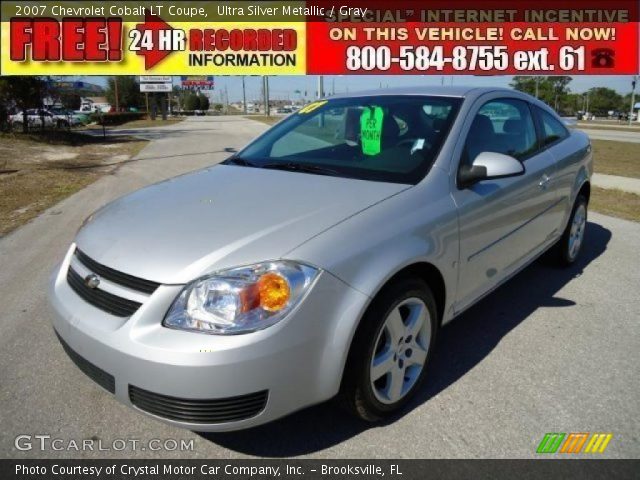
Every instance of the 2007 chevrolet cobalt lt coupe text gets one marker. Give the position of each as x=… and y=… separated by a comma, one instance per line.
x=322, y=258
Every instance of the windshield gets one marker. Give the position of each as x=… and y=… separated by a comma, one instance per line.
x=387, y=138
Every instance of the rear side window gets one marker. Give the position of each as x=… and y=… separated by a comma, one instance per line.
x=552, y=129
x=502, y=126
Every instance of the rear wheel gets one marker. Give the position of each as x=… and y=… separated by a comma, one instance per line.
x=570, y=244
x=391, y=349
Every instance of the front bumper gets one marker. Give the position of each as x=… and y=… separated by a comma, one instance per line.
x=297, y=362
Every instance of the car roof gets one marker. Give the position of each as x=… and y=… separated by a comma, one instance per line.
x=453, y=91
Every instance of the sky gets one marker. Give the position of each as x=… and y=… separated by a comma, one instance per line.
x=283, y=87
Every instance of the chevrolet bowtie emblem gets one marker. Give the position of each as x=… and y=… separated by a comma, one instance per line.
x=92, y=281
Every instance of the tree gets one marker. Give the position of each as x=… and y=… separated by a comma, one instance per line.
x=573, y=103
x=625, y=104
x=70, y=99
x=559, y=89
x=25, y=92
x=552, y=90
x=128, y=92
x=203, y=102
x=526, y=84
x=191, y=102
x=603, y=99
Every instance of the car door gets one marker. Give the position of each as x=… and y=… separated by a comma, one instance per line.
x=555, y=139
x=503, y=222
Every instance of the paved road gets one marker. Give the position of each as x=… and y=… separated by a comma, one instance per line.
x=552, y=351
x=615, y=135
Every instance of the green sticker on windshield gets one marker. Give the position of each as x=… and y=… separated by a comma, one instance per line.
x=371, y=130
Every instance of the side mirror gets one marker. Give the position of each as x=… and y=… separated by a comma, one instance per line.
x=489, y=166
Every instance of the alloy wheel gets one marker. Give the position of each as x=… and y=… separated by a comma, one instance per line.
x=576, y=234
x=400, y=350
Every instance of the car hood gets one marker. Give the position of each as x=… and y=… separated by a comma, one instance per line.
x=221, y=217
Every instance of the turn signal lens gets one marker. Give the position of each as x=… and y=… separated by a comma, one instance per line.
x=241, y=300
x=274, y=292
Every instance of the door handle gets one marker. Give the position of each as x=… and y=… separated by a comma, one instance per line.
x=544, y=181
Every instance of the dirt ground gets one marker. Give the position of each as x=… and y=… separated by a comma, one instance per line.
x=139, y=124
x=38, y=171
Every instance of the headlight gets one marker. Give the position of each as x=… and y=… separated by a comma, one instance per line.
x=241, y=300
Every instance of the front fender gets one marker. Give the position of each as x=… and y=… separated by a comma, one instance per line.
x=418, y=225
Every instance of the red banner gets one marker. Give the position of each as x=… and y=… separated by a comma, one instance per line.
x=488, y=38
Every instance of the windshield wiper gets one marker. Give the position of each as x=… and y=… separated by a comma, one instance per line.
x=239, y=161
x=301, y=167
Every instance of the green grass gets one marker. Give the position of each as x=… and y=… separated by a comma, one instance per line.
x=615, y=203
x=616, y=158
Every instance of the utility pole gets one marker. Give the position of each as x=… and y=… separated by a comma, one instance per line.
x=320, y=95
x=586, y=110
x=244, y=97
x=265, y=87
x=115, y=91
x=633, y=98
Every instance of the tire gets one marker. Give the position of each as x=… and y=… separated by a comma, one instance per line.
x=570, y=244
x=372, y=392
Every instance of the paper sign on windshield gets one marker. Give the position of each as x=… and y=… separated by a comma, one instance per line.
x=371, y=130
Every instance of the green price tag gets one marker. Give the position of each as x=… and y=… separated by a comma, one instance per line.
x=371, y=130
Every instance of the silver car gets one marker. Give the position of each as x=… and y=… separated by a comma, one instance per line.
x=322, y=259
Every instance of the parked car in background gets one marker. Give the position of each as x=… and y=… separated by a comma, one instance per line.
x=49, y=118
x=88, y=108
x=323, y=258
x=71, y=118
x=35, y=118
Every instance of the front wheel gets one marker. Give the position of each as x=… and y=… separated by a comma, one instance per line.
x=391, y=349
x=570, y=244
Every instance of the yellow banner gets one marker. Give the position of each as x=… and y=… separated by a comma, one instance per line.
x=82, y=38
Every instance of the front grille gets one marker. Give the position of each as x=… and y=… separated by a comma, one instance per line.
x=102, y=378
x=118, y=306
x=135, y=283
x=196, y=410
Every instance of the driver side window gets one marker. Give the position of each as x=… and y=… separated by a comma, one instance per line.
x=502, y=126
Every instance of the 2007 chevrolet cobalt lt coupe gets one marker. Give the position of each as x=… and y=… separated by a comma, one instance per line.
x=322, y=258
